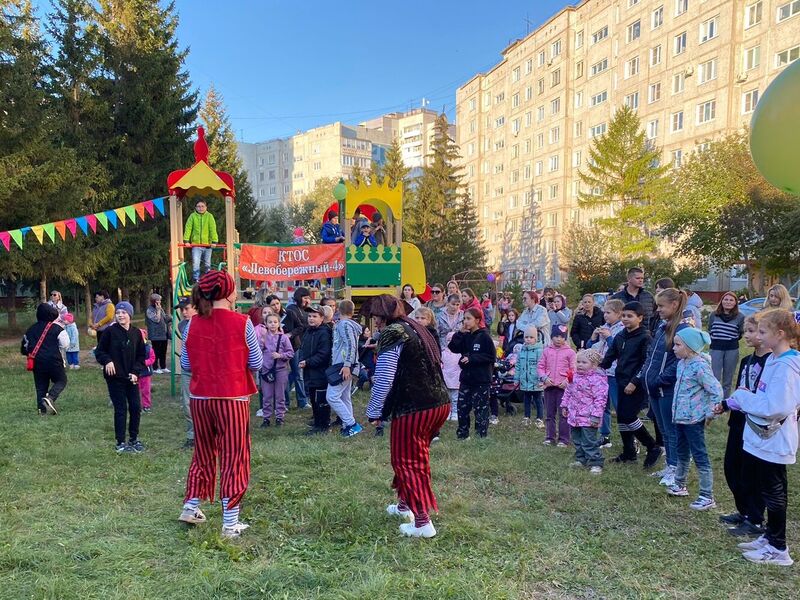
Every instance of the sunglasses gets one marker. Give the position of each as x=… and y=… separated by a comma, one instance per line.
x=436, y=291
x=54, y=294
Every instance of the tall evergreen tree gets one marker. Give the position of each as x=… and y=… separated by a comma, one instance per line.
x=356, y=175
x=394, y=169
x=624, y=174
x=375, y=172
x=223, y=156
x=469, y=249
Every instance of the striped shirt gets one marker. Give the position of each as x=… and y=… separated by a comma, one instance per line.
x=385, y=371
x=725, y=335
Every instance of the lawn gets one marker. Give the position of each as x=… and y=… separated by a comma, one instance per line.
x=79, y=521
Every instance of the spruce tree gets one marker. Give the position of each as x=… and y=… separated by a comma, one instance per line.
x=223, y=156
x=356, y=175
x=394, y=169
x=623, y=173
x=375, y=172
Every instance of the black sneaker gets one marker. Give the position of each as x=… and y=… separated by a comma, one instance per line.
x=49, y=404
x=136, y=446
x=123, y=448
x=316, y=431
x=264, y=424
x=652, y=457
x=605, y=442
x=278, y=422
x=622, y=458
x=732, y=519
x=337, y=423
x=379, y=431
x=147, y=410
x=746, y=529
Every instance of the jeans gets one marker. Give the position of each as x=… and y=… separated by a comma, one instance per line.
x=662, y=409
x=199, y=254
x=43, y=376
x=533, y=398
x=338, y=396
x=186, y=379
x=73, y=358
x=691, y=440
x=296, y=378
x=724, y=364
x=605, y=428
x=587, y=446
x=125, y=398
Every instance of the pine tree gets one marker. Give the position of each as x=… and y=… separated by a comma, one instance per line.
x=375, y=172
x=223, y=156
x=469, y=250
x=276, y=224
x=624, y=174
x=394, y=169
x=356, y=176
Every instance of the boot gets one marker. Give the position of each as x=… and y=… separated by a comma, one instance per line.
x=628, y=448
x=653, y=449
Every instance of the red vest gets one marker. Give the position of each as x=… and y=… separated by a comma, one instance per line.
x=218, y=353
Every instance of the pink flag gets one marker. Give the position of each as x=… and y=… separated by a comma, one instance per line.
x=92, y=220
x=72, y=226
x=148, y=206
x=5, y=237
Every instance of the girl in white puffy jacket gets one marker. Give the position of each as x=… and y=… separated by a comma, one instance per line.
x=770, y=435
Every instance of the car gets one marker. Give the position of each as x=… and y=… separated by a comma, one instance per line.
x=600, y=298
x=751, y=307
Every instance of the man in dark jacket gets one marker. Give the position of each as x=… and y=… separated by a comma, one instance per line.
x=315, y=357
x=48, y=365
x=635, y=292
x=587, y=318
x=294, y=325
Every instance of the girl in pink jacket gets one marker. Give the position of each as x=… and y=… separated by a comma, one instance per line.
x=452, y=371
x=583, y=405
x=146, y=378
x=556, y=368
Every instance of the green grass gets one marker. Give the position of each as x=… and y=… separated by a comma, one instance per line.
x=78, y=521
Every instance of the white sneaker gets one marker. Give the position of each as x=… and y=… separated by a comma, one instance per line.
x=769, y=555
x=756, y=544
x=157, y=371
x=596, y=470
x=561, y=445
x=393, y=510
x=577, y=464
x=234, y=531
x=660, y=473
x=166, y=371
x=260, y=412
x=493, y=421
x=667, y=480
x=526, y=421
x=539, y=424
x=426, y=531
x=193, y=516
x=77, y=367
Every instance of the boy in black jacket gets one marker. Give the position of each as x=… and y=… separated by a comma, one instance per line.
x=629, y=351
x=315, y=357
x=476, y=348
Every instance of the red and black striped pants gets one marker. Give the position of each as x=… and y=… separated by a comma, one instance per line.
x=221, y=435
x=410, y=441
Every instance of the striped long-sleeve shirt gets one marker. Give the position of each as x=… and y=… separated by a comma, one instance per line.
x=725, y=333
x=385, y=371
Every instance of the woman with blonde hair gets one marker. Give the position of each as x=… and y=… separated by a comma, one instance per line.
x=778, y=297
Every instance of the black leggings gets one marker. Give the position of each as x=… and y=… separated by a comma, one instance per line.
x=125, y=398
x=738, y=473
x=160, y=350
x=43, y=376
x=773, y=487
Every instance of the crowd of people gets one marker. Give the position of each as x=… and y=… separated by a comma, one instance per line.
x=426, y=363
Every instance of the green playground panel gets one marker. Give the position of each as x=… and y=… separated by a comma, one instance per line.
x=368, y=266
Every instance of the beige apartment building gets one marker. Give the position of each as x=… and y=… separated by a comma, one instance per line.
x=282, y=169
x=692, y=69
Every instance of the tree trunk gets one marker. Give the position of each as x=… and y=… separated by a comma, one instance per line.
x=87, y=298
x=137, y=302
x=43, y=287
x=12, y=304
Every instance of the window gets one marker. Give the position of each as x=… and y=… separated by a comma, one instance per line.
x=499, y=122
x=528, y=118
x=515, y=151
x=657, y=18
x=706, y=111
x=708, y=71
x=555, y=135
x=677, y=159
x=632, y=100
x=788, y=10
x=787, y=57
x=271, y=175
x=499, y=97
x=578, y=99
x=555, y=78
x=632, y=67
x=540, y=85
x=678, y=83
x=752, y=57
x=539, y=168
x=597, y=130
x=554, y=191
x=526, y=172
x=655, y=56
x=652, y=129
x=555, y=49
x=515, y=176
x=749, y=101
x=515, y=126
x=528, y=146
x=515, y=100
x=515, y=75
x=527, y=199
x=499, y=145
x=553, y=166
x=273, y=190
x=599, y=98
x=528, y=93
x=634, y=31
x=680, y=44
x=473, y=126
x=681, y=6
x=552, y=219
x=709, y=29
x=576, y=158
x=579, y=69
x=540, y=114
x=578, y=128
x=600, y=34
x=752, y=14
x=578, y=39
x=555, y=106
x=540, y=140
x=528, y=66
x=632, y=3
x=654, y=92
x=261, y=175
x=599, y=67
x=677, y=121
x=317, y=166
x=537, y=196
x=541, y=59
x=472, y=104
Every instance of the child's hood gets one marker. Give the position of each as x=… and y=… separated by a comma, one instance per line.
x=791, y=359
x=595, y=373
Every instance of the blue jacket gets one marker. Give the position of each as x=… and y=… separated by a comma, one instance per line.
x=658, y=372
x=362, y=240
x=330, y=232
x=525, y=373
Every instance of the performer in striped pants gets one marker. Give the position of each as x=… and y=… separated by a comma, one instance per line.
x=408, y=388
x=221, y=351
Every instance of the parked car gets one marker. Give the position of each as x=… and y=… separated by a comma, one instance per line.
x=751, y=307
x=600, y=298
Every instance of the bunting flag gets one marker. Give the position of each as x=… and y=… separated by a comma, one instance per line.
x=114, y=217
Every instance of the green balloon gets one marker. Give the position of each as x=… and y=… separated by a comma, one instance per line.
x=775, y=131
x=340, y=191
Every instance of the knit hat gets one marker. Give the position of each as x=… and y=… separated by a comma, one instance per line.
x=696, y=339
x=126, y=306
x=216, y=285
x=298, y=232
x=67, y=318
x=559, y=331
x=155, y=297
x=590, y=354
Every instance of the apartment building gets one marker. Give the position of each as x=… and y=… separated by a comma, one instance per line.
x=692, y=69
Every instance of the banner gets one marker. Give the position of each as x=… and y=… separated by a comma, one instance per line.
x=290, y=263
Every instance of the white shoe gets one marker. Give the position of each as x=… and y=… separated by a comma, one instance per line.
x=234, y=531
x=393, y=510
x=77, y=367
x=561, y=445
x=769, y=555
x=157, y=371
x=577, y=464
x=756, y=544
x=660, y=473
x=260, y=412
x=494, y=421
x=539, y=424
x=596, y=470
x=193, y=516
x=426, y=531
x=166, y=371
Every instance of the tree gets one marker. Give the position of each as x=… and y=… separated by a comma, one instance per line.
x=223, y=156
x=623, y=173
x=276, y=224
x=309, y=211
x=356, y=176
x=588, y=256
x=469, y=250
x=375, y=172
x=394, y=169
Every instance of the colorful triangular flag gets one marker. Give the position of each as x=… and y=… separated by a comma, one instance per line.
x=83, y=224
x=131, y=212
x=112, y=218
x=5, y=237
x=16, y=235
x=24, y=231
x=120, y=215
x=38, y=231
x=102, y=219
x=148, y=206
x=92, y=220
x=72, y=226
x=139, y=206
x=61, y=227
x=159, y=204
x=50, y=230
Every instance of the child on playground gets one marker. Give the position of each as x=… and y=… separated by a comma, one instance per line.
x=74, y=348
x=526, y=375
x=345, y=353
x=749, y=516
x=146, y=376
x=601, y=339
x=770, y=438
x=556, y=369
x=277, y=350
x=696, y=393
x=583, y=404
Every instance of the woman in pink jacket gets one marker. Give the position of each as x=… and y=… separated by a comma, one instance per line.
x=556, y=369
x=583, y=405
